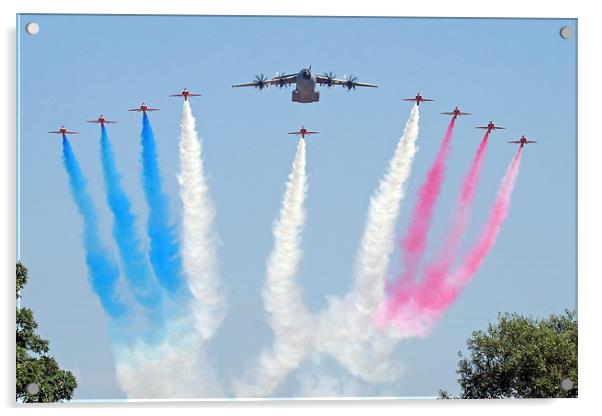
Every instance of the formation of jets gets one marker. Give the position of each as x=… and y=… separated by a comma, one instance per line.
x=305, y=92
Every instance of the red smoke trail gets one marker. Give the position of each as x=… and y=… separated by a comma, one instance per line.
x=475, y=258
x=436, y=272
x=429, y=300
x=413, y=245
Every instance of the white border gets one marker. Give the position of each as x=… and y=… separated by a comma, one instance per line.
x=590, y=207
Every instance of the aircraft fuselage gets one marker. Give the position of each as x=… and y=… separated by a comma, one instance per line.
x=305, y=90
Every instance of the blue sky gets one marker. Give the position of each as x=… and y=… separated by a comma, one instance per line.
x=519, y=73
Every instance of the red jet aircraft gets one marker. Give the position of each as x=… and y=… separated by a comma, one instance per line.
x=523, y=141
x=101, y=120
x=490, y=126
x=456, y=113
x=418, y=99
x=63, y=131
x=144, y=108
x=185, y=94
x=303, y=132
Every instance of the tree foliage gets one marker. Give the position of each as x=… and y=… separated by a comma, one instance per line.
x=521, y=357
x=39, y=377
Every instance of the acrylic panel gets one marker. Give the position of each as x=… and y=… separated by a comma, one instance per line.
x=296, y=207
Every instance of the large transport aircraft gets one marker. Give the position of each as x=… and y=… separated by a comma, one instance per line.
x=305, y=83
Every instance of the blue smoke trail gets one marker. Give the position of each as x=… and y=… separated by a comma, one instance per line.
x=136, y=268
x=164, y=247
x=103, y=272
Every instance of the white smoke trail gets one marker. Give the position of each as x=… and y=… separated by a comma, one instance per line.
x=288, y=317
x=346, y=329
x=198, y=246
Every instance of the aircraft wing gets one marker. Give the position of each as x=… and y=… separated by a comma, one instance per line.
x=465, y=114
x=514, y=141
x=482, y=127
x=246, y=84
x=287, y=79
x=531, y=141
x=135, y=109
x=152, y=109
x=499, y=128
x=110, y=122
x=322, y=80
x=426, y=99
x=295, y=132
x=93, y=121
x=311, y=132
x=449, y=113
x=55, y=132
x=408, y=99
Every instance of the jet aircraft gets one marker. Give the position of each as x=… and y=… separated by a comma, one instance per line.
x=522, y=141
x=490, y=126
x=101, y=120
x=185, y=93
x=455, y=113
x=303, y=132
x=63, y=131
x=418, y=99
x=144, y=108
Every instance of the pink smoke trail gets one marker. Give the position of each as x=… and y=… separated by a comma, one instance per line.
x=437, y=293
x=413, y=244
x=436, y=272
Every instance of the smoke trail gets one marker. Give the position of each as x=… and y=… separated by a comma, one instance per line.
x=346, y=330
x=175, y=367
x=492, y=228
x=134, y=260
x=414, y=243
x=288, y=317
x=103, y=271
x=439, y=269
x=198, y=239
x=164, y=247
x=433, y=297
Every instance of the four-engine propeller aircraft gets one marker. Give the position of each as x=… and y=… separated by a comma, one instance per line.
x=144, y=108
x=101, y=120
x=522, y=141
x=303, y=132
x=63, y=131
x=456, y=113
x=305, y=82
x=418, y=99
x=490, y=126
x=186, y=94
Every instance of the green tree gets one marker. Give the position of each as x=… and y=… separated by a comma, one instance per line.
x=39, y=377
x=520, y=357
